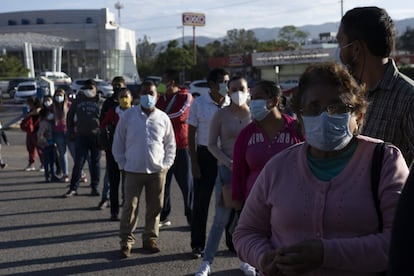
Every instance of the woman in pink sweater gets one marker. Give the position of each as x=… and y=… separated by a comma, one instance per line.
x=311, y=210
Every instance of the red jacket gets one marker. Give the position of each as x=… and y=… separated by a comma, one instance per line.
x=178, y=113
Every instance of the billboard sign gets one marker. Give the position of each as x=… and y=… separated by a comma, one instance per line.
x=194, y=19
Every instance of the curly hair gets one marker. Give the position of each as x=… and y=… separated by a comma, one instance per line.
x=331, y=74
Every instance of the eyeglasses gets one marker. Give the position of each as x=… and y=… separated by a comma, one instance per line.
x=332, y=109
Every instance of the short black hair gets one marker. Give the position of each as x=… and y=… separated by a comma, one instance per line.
x=373, y=26
x=118, y=79
x=270, y=88
x=171, y=74
x=215, y=73
x=89, y=83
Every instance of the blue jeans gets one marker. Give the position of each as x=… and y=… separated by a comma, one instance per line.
x=60, y=140
x=49, y=162
x=84, y=146
x=221, y=217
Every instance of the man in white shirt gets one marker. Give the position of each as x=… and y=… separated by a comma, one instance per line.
x=203, y=163
x=144, y=147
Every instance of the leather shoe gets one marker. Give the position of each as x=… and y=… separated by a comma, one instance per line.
x=151, y=246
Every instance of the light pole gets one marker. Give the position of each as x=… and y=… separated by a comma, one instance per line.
x=182, y=47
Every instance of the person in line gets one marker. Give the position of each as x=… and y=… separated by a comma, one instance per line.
x=144, y=148
x=402, y=242
x=270, y=132
x=118, y=83
x=203, y=163
x=114, y=174
x=30, y=124
x=366, y=39
x=47, y=144
x=61, y=105
x=311, y=209
x=224, y=128
x=176, y=103
x=83, y=125
x=3, y=137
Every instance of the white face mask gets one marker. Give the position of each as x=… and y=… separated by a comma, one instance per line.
x=60, y=99
x=239, y=97
x=90, y=93
x=223, y=89
x=48, y=103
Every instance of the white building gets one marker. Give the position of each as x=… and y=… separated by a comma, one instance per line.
x=82, y=43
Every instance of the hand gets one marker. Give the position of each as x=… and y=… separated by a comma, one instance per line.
x=268, y=264
x=300, y=258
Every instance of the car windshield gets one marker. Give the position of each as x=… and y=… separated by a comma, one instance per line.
x=26, y=88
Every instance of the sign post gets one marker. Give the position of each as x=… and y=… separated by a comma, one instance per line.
x=194, y=19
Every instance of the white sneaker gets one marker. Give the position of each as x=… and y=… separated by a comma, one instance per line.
x=41, y=168
x=247, y=269
x=30, y=167
x=164, y=223
x=204, y=269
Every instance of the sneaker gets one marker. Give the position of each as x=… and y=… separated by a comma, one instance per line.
x=165, y=222
x=103, y=204
x=41, y=168
x=84, y=178
x=125, y=252
x=94, y=192
x=204, y=269
x=30, y=167
x=151, y=246
x=64, y=179
x=247, y=269
x=70, y=193
x=197, y=252
x=3, y=165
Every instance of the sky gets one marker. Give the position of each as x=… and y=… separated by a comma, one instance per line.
x=161, y=20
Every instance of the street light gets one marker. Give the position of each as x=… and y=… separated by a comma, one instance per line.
x=182, y=47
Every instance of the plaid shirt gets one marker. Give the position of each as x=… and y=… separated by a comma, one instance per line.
x=390, y=112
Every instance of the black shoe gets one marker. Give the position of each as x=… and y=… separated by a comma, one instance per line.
x=94, y=192
x=197, y=252
x=70, y=193
x=3, y=165
x=114, y=217
x=103, y=204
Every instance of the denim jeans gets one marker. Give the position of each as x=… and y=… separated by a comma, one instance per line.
x=86, y=146
x=181, y=169
x=105, y=187
x=221, y=217
x=115, y=177
x=60, y=140
x=49, y=162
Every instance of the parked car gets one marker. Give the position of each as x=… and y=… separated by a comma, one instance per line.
x=155, y=79
x=11, y=89
x=104, y=88
x=25, y=90
x=57, y=77
x=199, y=87
x=288, y=84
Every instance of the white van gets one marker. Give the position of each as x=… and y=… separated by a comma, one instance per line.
x=60, y=77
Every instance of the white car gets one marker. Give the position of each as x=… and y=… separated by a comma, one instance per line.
x=104, y=88
x=25, y=90
x=288, y=84
x=199, y=87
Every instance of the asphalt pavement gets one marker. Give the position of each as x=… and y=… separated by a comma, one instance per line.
x=42, y=233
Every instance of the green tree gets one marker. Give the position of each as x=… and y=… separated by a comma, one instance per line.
x=406, y=40
x=293, y=36
x=11, y=66
x=240, y=41
x=146, y=56
x=173, y=57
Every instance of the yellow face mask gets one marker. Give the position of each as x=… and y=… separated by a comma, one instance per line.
x=125, y=102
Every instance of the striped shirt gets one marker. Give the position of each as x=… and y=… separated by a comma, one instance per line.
x=390, y=112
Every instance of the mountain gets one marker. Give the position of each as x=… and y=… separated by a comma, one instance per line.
x=263, y=34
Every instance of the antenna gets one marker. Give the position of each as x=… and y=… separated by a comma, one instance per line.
x=119, y=6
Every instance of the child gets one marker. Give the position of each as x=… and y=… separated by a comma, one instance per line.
x=4, y=137
x=45, y=141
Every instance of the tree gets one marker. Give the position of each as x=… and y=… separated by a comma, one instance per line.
x=240, y=41
x=11, y=66
x=406, y=40
x=173, y=58
x=146, y=55
x=292, y=35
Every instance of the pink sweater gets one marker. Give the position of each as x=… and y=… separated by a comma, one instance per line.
x=288, y=205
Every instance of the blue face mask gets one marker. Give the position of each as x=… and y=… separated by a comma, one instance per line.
x=223, y=89
x=258, y=109
x=327, y=132
x=147, y=101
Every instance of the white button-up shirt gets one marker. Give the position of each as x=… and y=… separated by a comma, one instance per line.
x=144, y=144
x=201, y=112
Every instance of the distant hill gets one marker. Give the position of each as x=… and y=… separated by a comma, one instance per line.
x=263, y=34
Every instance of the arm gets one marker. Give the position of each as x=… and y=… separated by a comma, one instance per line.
x=192, y=146
x=108, y=118
x=182, y=113
x=169, y=145
x=214, y=135
x=240, y=167
x=119, y=143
